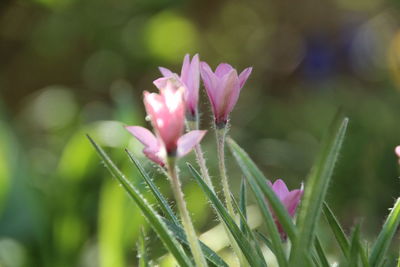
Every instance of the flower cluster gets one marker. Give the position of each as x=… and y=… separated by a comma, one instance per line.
x=178, y=99
x=177, y=102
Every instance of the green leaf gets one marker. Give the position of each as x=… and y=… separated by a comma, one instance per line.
x=141, y=249
x=270, y=223
x=321, y=253
x=240, y=238
x=242, y=204
x=247, y=230
x=172, y=221
x=385, y=236
x=354, y=248
x=153, y=218
x=210, y=255
x=255, y=176
x=153, y=188
x=337, y=230
x=265, y=240
x=316, y=188
x=363, y=254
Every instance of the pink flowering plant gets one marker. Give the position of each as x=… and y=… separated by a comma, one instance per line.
x=289, y=233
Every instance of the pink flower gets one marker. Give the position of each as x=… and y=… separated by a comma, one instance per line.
x=397, y=151
x=190, y=78
x=289, y=199
x=166, y=111
x=223, y=88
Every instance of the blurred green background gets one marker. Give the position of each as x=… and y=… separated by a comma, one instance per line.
x=71, y=67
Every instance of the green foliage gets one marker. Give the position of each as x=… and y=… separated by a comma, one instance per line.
x=142, y=252
x=316, y=188
x=243, y=242
x=154, y=219
x=307, y=249
x=336, y=229
x=385, y=237
x=171, y=220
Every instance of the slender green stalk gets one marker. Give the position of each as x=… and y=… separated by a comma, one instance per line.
x=221, y=133
x=194, y=125
x=194, y=244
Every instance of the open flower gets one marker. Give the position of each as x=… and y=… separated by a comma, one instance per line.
x=289, y=199
x=166, y=112
x=223, y=88
x=190, y=78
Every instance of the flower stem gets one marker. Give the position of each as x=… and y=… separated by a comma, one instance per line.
x=186, y=221
x=194, y=125
x=221, y=133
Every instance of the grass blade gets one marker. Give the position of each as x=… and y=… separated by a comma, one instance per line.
x=269, y=222
x=153, y=218
x=265, y=240
x=153, y=188
x=253, y=173
x=247, y=230
x=210, y=255
x=385, y=236
x=337, y=230
x=354, y=251
x=242, y=205
x=363, y=254
x=240, y=238
x=142, y=253
x=321, y=253
x=172, y=221
x=316, y=188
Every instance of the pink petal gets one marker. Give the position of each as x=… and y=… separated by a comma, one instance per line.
x=162, y=82
x=208, y=76
x=185, y=67
x=144, y=136
x=210, y=82
x=165, y=72
x=234, y=94
x=193, y=81
x=228, y=94
x=152, y=149
x=187, y=141
x=244, y=76
x=154, y=155
x=280, y=189
x=190, y=76
x=223, y=69
x=292, y=200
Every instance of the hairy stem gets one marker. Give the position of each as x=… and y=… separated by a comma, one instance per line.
x=220, y=133
x=186, y=221
x=194, y=125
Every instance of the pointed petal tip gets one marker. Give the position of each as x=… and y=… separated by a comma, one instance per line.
x=280, y=188
x=165, y=72
x=189, y=140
